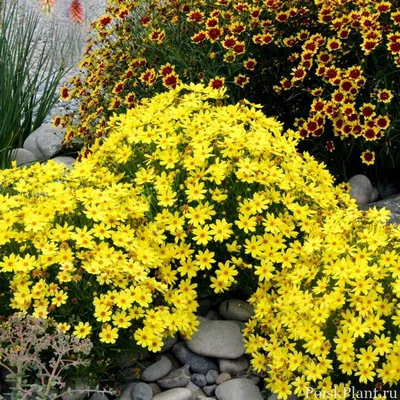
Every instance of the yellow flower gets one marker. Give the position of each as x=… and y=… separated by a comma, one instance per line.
x=82, y=330
x=108, y=335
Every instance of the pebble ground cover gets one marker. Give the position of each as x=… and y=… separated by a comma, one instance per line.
x=186, y=189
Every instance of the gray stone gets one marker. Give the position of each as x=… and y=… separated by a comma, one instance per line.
x=212, y=315
x=375, y=195
x=361, y=189
x=155, y=388
x=126, y=391
x=211, y=376
x=238, y=310
x=223, y=377
x=390, y=203
x=169, y=342
x=221, y=339
x=249, y=375
x=192, y=387
x=390, y=185
x=178, y=378
x=240, y=324
x=67, y=161
x=174, y=394
x=174, y=361
x=196, y=391
x=233, y=366
x=22, y=157
x=157, y=371
x=238, y=389
x=141, y=391
x=45, y=142
x=199, y=379
x=197, y=363
x=209, y=390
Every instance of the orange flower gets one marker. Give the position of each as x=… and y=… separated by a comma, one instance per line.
x=368, y=157
x=167, y=69
x=217, y=83
x=104, y=21
x=64, y=93
x=250, y=63
x=195, y=16
x=229, y=42
x=76, y=12
x=241, y=80
x=48, y=6
x=385, y=96
x=214, y=33
x=199, y=37
x=171, y=81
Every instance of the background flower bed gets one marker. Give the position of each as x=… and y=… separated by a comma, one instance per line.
x=330, y=69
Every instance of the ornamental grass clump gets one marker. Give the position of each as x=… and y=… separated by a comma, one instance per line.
x=237, y=208
x=328, y=68
x=28, y=65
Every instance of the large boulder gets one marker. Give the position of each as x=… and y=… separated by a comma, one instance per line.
x=361, y=189
x=220, y=339
x=45, y=142
x=23, y=157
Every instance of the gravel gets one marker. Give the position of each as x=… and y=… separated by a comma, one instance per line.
x=76, y=34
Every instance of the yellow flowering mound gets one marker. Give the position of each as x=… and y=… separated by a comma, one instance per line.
x=74, y=247
x=186, y=197
x=240, y=209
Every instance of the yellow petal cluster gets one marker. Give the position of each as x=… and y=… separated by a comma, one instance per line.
x=187, y=197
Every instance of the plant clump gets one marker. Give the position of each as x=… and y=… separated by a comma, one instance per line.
x=186, y=197
x=240, y=210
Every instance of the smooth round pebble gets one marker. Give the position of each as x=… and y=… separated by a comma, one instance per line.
x=221, y=378
x=209, y=390
x=157, y=371
x=233, y=366
x=220, y=339
x=178, y=378
x=174, y=394
x=141, y=391
x=197, y=363
x=199, y=380
x=211, y=376
x=155, y=388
